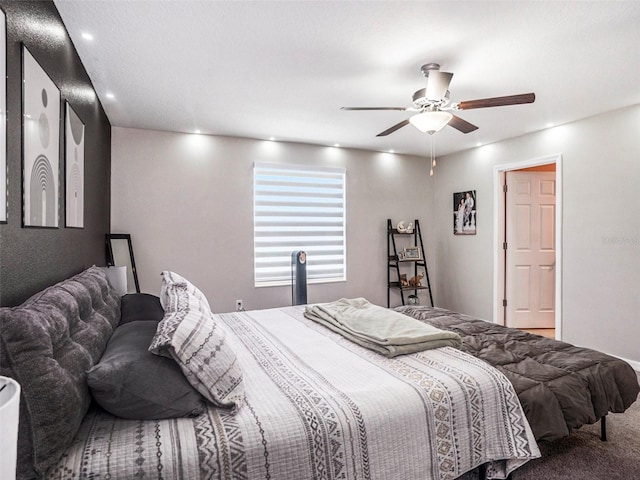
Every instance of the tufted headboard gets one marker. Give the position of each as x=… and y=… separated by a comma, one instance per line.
x=47, y=344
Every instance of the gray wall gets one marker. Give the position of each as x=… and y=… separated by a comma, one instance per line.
x=192, y=213
x=600, y=232
x=187, y=201
x=33, y=258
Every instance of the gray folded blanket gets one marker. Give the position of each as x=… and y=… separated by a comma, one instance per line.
x=379, y=329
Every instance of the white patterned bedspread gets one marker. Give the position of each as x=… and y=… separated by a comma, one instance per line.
x=320, y=407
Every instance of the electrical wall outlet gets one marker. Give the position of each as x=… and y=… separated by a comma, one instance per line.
x=239, y=306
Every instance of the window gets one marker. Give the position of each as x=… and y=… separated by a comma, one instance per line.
x=298, y=208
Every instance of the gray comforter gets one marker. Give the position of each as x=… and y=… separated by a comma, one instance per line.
x=561, y=386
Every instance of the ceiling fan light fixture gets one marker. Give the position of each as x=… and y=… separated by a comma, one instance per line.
x=431, y=122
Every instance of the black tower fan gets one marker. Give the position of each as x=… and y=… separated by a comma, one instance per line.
x=298, y=278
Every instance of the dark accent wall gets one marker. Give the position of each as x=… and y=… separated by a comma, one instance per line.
x=34, y=258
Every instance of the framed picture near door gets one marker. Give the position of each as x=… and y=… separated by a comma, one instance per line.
x=464, y=213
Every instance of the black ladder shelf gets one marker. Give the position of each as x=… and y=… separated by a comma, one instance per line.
x=394, y=263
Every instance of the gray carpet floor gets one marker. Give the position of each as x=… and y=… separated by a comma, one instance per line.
x=583, y=456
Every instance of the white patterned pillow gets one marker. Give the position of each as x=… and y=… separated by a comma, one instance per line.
x=189, y=335
x=172, y=278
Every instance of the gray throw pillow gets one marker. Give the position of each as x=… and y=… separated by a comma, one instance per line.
x=131, y=382
x=140, y=306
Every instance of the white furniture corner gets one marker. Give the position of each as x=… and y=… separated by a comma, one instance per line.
x=9, y=415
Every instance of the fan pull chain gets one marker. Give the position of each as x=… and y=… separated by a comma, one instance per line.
x=433, y=158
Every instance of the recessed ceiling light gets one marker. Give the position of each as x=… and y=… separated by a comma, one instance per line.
x=549, y=124
x=110, y=95
x=87, y=36
x=337, y=145
x=479, y=144
x=197, y=132
x=273, y=139
x=392, y=151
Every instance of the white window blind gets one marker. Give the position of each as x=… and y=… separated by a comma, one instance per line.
x=298, y=208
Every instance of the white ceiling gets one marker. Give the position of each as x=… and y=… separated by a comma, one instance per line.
x=266, y=69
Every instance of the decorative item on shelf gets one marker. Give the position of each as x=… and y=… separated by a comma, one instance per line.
x=401, y=228
x=416, y=281
x=412, y=253
x=400, y=255
x=403, y=280
x=413, y=300
x=409, y=228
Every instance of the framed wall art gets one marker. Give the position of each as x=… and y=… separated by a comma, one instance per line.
x=40, y=145
x=464, y=213
x=3, y=117
x=74, y=168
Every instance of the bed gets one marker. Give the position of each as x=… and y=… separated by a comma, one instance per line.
x=436, y=414
x=313, y=405
x=561, y=386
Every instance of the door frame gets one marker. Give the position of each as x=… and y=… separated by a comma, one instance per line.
x=499, y=235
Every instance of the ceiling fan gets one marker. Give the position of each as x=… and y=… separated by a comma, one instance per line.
x=432, y=105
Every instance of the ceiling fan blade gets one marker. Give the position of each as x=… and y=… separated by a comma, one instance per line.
x=397, y=126
x=373, y=108
x=497, y=101
x=461, y=125
x=437, y=84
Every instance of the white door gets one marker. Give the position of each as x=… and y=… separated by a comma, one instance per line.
x=530, y=254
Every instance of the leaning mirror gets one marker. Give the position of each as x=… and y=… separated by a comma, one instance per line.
x=120, y=254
